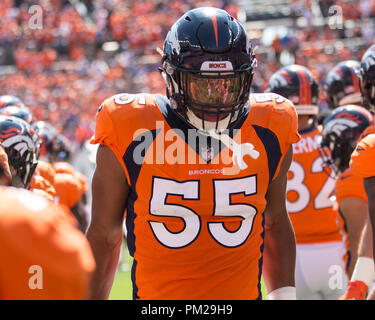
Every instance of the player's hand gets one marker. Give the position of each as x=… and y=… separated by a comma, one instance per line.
x=4, y=165
x=356, y=291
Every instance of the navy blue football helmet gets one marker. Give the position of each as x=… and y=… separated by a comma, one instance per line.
x=208, y=63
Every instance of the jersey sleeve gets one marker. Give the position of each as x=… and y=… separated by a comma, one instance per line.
x=68, y=189
x=285, y=122
x=123, y=117
x=362, y=160
x=106, y=133
x=42, y=184
x=349, y=185
x=278, y=115
x=46, y=170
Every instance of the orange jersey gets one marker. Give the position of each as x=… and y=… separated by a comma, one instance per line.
x=362, y=160
x=349, y=185
x=65, y=167
x=46, y=170
x=309, y=190
x=36, y=235
x=68, y=189
x=39, y=183
x=195, y=213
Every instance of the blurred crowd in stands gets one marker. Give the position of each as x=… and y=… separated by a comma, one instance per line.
x=84, y=54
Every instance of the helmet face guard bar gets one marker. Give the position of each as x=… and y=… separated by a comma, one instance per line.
x=328, y=165
x=341, y=148
x=208, y=62
x=211, y=95
x=24, y=165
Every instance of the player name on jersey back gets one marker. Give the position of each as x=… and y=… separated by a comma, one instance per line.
x=307, y=144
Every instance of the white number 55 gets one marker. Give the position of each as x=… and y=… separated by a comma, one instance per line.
x=223, y=207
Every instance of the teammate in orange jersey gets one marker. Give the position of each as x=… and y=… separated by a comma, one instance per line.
x=340, y=134
x=205, y=205
x=71, y=187
x=362, y=164
x=364, y=272
x=46, y=170
x=43, y=255
x=320, y=243
x=38, y=184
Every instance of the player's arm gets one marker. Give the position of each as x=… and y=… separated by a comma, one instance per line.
x=369, y=184
x=279, y=243
x=109, y=196
x=354, y=211
x=364, y=271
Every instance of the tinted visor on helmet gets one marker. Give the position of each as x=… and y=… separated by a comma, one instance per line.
x=213, y=92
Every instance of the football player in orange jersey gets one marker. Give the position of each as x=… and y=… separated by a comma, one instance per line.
x=70, y=185
x=362, y=164
x=340, y=134
x=364, y=268
x=46, y=170
x=201, y=172
x=38, y=184
x=320, y=243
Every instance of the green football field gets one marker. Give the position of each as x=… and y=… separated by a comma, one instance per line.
x=122, y=286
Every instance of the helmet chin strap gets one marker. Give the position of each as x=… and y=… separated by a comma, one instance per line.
x=208, y=125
